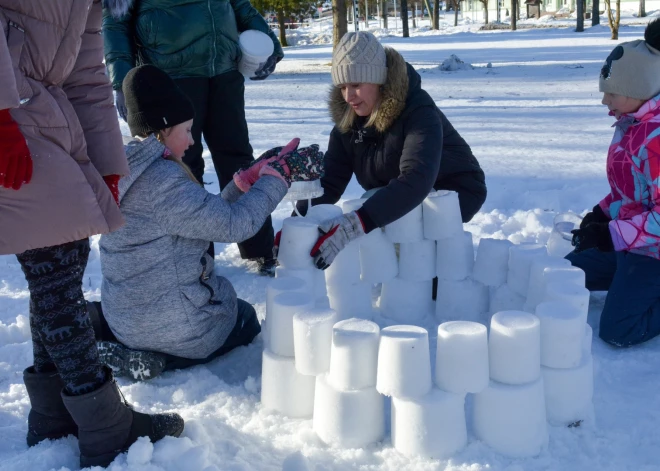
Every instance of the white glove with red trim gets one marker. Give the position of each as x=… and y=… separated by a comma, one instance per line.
x=336, y=233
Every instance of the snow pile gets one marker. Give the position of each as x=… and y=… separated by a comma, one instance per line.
x=453, y=63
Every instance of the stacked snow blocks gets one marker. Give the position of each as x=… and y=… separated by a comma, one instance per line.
x=510, y=413
x=348, y=410
x=459, y=296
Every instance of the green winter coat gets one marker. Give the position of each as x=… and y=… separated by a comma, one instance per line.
x=185, y=38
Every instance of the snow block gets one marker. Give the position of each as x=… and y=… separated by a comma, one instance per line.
x=455, y=257
x=417, y=260
x=275, y=287
x=492, y=264
x=562, y=274
x=345, y=269
x=442, y=215
x=308, y=275
x=354, y=354
x=432, y=426
x=588, y=339
x=404, y=362
x=562, y=334
x=461, y=300
x=570, y=293
x=514, y=347
x=408, y=228
x=312, y=340
x=285, y=390
x=569, y=392
x=351, y=300
x=536, y=287
x=461, y=364
x=298, y=237
x=378, y=260
x=504, y=299
x=320, y=288
x=349, y=419
x=512, y=419
x=280, y=324
x=520, y=263
x=352, y=205
x=406, y=301
x=323, y=212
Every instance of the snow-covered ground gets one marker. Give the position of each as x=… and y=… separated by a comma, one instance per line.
x=535, y=122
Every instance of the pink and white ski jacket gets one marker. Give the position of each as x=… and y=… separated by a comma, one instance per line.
x=633, y=171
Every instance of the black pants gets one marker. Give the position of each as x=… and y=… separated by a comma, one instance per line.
x=247, y=327
x=219, y=104
x=62, y=334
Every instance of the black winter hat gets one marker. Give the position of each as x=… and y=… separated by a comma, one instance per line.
x=153, y=101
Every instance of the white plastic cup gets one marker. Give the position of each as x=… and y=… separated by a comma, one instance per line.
x=256, y=47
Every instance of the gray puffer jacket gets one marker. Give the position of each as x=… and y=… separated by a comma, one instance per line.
x=159, y=290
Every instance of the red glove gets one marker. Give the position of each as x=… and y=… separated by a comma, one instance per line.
x=113, y=183
x=15, y=159
x=276, y=244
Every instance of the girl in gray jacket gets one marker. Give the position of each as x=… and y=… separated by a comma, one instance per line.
x=163, y=304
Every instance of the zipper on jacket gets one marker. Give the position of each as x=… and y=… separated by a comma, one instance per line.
x=202, y=280
x=215, y=39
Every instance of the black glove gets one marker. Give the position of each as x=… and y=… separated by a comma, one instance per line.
x=266, y=68
x=120, y=104
x=595, y=216
x=593, y=236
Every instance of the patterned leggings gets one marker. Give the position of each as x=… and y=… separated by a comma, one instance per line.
x=62, y=334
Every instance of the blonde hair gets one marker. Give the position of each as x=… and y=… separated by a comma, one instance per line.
x=348, y=118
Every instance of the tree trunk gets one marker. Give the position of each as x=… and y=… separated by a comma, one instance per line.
x=517, y=2
x=339, y=23
x=611, y=19
x=456, y=5
x=595, y=13
x=514, y=7
x=580, y=16
x=280, y=22
x=642, y=9
x=486, y=11
x=404, y=18
x=383, y=12
x=436, y=14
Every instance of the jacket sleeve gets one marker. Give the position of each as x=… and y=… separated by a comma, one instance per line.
x=185, y=209
x=8, y=91
x=419, y=166
x=247, y=17
x=89, y=91
x=338, y=173
x=119, y=46
x=642, y=230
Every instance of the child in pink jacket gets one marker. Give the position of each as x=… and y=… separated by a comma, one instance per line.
x=618, y=243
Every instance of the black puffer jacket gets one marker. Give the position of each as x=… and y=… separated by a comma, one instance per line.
x=411, y=150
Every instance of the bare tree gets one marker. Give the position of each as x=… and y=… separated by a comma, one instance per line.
x=612, y=19
x=642, y=9
x=457, y=4
x=436, y=14
x=514, y=15
x=580, y=16
x=595, y=13
x=404, y=18
x=339, y=23
x=383, y=12
x=485, y=4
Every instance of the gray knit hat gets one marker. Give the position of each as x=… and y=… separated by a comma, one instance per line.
x=633, y=69
x=359, y=58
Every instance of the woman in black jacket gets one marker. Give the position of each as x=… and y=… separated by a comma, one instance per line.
x=391, y=135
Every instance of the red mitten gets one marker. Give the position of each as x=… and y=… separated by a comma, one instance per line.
x=113, y=184
x=15, y=159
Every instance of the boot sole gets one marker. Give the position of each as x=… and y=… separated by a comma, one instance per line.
x=107, y=458
x=125, y=362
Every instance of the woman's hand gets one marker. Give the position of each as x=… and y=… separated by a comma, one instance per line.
x=336, y=233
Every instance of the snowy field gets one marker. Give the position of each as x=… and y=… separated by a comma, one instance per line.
x=534, y=121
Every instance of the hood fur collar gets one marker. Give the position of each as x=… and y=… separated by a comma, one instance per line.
x=393, y=102
x=118, y=8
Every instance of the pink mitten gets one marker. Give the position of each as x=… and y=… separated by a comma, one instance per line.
x=244, y=179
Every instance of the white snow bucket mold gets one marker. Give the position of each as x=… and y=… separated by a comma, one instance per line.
x=408, y=228
x=569, y=392
x=312, y=339
x=520, y=262
x=461, y=364
x=562, y=334
x=280, y=323
x=492, y=263
x=417, y=260
x=285, y=390
x=256, y=48
x=354, y=354
x=514, y=347
x=442, y=215
x=461, y=300
x=406, y=301
x=455, y=257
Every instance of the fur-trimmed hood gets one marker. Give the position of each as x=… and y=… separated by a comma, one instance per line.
x=394, y=94
x=118, y=8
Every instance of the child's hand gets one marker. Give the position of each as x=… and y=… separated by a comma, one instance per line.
x=244, y=179
x=595, y=216
x=304, y=164
x=593, y=236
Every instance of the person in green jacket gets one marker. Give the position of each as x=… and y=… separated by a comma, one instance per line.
x=196, y=43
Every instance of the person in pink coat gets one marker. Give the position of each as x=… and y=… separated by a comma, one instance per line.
x=61, y=156
x=618, y=243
